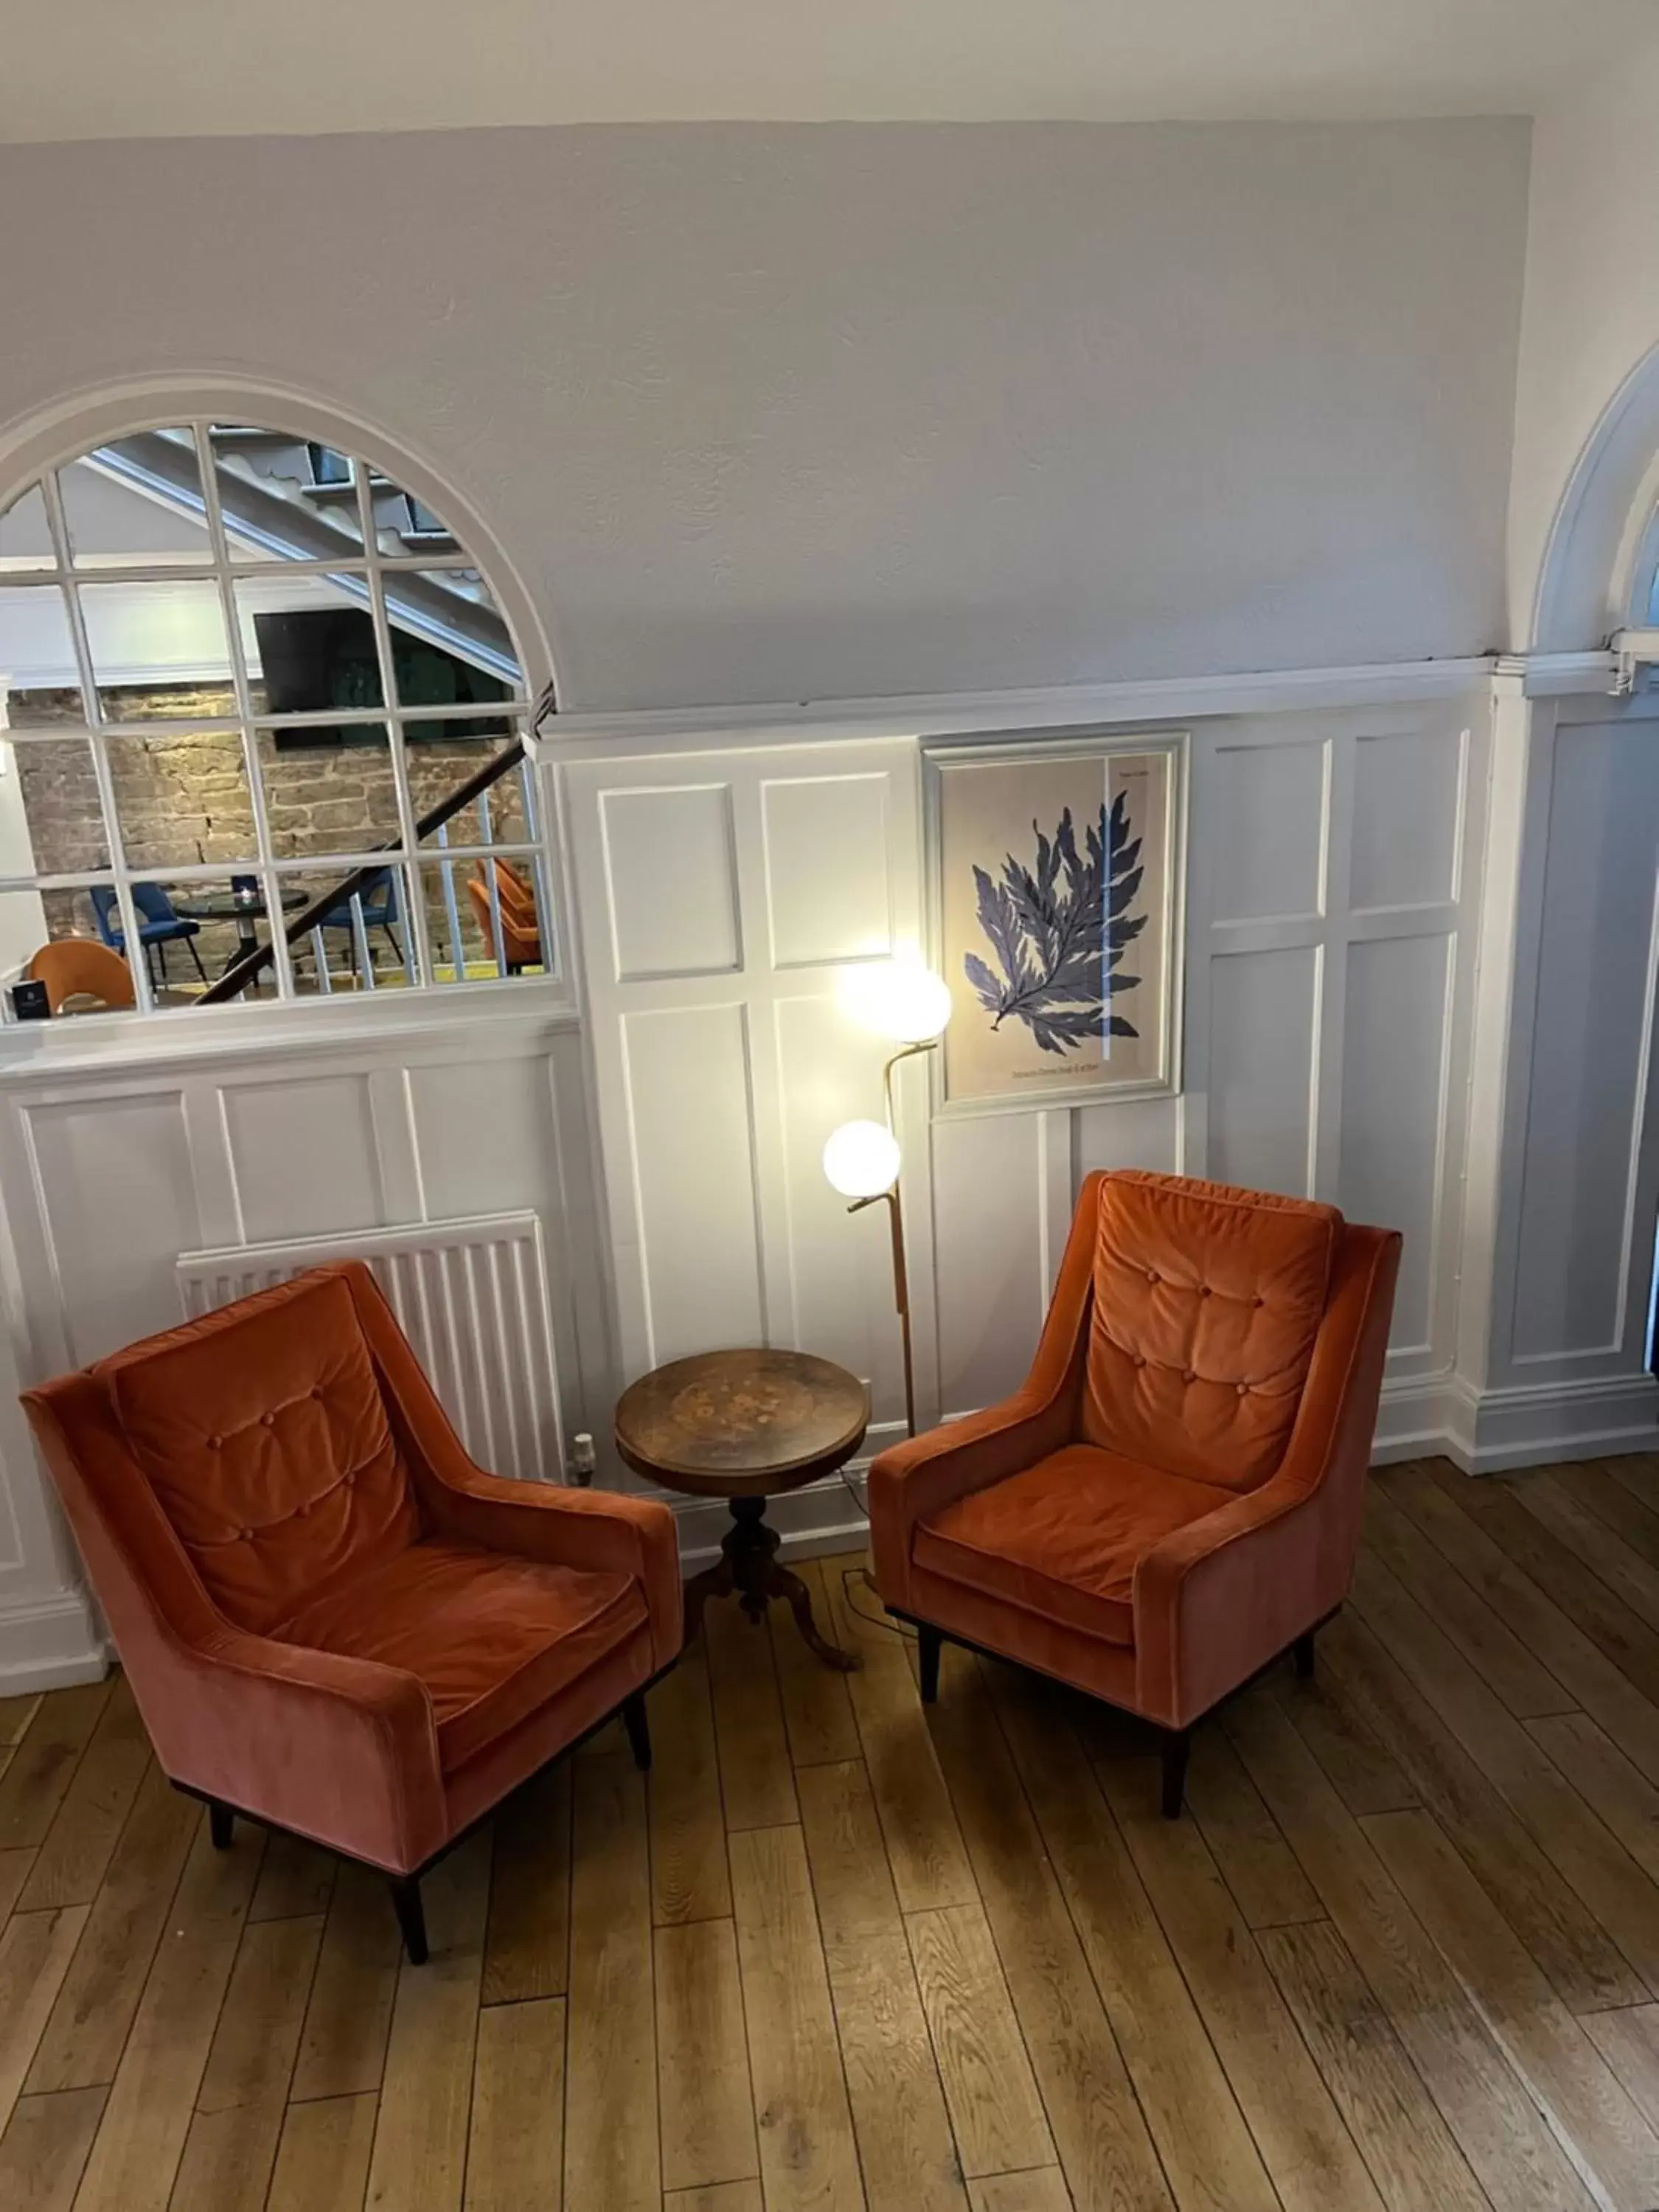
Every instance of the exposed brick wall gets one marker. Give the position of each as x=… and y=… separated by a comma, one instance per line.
x=183, y=797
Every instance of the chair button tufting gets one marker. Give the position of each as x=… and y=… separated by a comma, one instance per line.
x=1204, y=1290
x=1189, y=1377
x=244, y=1536
x=1243, y=1390
x=269, y=1419
x=215, y=1442
x=1141, y=1360
x=1152, y=1275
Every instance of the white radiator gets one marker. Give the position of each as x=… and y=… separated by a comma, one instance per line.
x=473, y=1298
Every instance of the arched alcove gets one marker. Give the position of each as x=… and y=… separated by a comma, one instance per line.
x=1589, y=573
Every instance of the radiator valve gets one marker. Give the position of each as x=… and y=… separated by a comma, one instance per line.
x=582, y=1459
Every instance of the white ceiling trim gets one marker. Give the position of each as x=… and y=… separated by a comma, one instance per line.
x=106, y=69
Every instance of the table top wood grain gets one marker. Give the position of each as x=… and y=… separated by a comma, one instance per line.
x=744, y=1424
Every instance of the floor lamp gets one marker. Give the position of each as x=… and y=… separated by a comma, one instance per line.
x=862, y=1160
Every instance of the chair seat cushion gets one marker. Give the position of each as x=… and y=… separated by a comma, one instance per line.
x=1061, y=1539
x=493, y=1638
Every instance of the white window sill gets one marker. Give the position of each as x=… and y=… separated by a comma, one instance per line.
x=30, y=1050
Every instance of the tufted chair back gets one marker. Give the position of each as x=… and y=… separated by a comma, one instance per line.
x=1206, y=1304
x=263, y=1436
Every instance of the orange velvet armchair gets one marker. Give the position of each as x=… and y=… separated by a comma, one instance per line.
x=331, y=1619
x=1174, y=1498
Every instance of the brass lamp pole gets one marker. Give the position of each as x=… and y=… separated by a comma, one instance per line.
x=911, y=1005
x=895, y=1221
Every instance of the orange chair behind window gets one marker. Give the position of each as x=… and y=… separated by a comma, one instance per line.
x=80, y=967
x=331, y=1619
x=521, y=940
x=1175, y=1497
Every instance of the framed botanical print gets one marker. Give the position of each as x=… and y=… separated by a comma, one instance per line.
x=1056, y=873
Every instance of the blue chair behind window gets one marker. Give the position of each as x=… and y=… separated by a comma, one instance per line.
x=159, y=924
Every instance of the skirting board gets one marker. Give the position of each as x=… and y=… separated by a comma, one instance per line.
x=49, y=1644
x=1531, y=1423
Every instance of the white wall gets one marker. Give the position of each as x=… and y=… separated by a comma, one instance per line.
x=1584, y=1233
x=776, y=413
x=1553, y=1327
x=1557, y=1263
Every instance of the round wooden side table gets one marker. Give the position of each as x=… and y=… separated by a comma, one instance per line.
x=745, y=1427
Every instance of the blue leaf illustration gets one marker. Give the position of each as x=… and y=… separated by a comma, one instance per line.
x=1058, y=931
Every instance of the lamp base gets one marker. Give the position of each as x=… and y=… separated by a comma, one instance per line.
x=749, y=1570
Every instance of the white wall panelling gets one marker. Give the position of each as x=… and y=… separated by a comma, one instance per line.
x=1334, y=896
x=670, y=892
x=1551, y=1285
x=1572, y=1219
x=472, y=1297
x=1329, y=1022
x=717, y=1087
x=718, y=1079
x=687, y=1095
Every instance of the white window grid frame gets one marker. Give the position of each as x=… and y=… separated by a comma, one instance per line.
x=408, y=861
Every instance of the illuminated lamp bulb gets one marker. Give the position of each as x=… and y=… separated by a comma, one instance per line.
x=861, y=1160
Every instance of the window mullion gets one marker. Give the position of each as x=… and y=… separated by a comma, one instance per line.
x=413, y=889
x=92, y=708
x=269, y=881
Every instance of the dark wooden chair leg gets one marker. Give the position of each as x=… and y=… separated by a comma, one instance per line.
x=639, y=1732
x=411, y=1917
x=1303, y=1651
x=222, y=1825
x=928, y=1643
x=1175, y=1771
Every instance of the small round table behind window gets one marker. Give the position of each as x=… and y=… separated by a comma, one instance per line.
x=745, y=1427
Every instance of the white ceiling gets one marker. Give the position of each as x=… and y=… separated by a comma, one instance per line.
x=90, y=69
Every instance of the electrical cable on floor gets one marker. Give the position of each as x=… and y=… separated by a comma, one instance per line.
x=858, y=1579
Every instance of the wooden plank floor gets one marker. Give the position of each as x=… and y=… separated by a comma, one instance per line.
x=840, y=1955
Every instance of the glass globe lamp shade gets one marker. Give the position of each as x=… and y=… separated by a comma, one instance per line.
x=861, y=1160
x=902, y=1001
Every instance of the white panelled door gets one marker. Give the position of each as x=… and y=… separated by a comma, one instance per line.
x=725, y=901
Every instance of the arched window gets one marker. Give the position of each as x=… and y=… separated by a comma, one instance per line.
x=245, y=675
x=1643, y=610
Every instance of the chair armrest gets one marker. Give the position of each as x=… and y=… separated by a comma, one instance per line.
x=1216, y=1600
x=1219, y=1598
x=341, y=1750
x=602, y=1530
